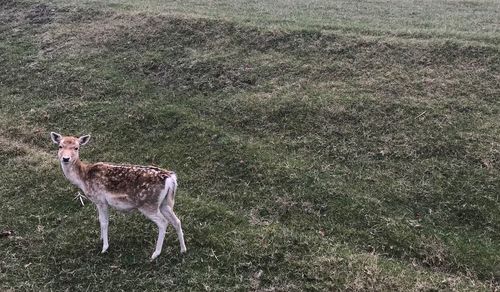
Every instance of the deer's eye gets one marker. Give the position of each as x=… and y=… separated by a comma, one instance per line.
x=76, y=148
x=60, y=147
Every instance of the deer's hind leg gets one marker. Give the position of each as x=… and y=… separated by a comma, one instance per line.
x=162, y=223
x=169, y=214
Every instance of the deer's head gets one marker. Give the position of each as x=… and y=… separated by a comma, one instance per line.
x=68, y=147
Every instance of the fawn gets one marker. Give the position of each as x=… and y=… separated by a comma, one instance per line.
x=151, y=190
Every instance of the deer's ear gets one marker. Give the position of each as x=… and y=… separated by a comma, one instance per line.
x=84, y=139
x=56, y=138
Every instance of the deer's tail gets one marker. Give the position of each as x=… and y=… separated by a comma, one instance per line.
x=171, y=183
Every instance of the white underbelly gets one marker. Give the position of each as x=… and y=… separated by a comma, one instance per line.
x=120, y=202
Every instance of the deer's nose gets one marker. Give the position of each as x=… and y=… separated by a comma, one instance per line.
x=65, y=159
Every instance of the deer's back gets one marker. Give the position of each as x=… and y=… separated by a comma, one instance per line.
x=127, y=185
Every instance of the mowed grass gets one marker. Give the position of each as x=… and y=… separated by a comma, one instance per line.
x=307, y=159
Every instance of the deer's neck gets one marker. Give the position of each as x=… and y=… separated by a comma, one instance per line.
x=74, y=172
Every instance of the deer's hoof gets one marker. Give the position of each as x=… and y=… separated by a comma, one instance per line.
x=155, y=255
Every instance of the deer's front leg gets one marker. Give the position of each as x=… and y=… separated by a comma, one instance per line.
x=103, y=221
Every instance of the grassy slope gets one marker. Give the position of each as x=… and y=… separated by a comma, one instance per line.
x=476, y=19
x=309, y=160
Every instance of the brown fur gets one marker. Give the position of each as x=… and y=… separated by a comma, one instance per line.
x=137, y=185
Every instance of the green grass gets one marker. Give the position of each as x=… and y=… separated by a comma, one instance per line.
x=471, y=20
x=312, y=153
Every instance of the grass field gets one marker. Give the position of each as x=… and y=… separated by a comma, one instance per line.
x=319, y=145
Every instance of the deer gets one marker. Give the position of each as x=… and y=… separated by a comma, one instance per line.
x=148, y=189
